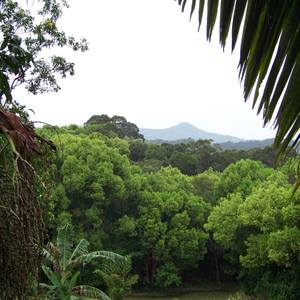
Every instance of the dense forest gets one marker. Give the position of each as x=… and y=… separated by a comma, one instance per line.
x=90, y=212
x=184, y=213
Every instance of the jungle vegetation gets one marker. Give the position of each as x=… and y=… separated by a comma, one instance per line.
x=181, y=212
x=234, y=221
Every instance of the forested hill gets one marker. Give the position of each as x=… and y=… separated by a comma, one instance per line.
x=245, y=145
x=185, y=131
x=182, y=133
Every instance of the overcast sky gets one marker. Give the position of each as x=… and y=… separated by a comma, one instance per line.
x=148, y=63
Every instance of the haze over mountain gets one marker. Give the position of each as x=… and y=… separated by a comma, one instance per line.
x=185, y=131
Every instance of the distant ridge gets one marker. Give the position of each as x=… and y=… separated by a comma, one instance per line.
x=245, y=145
x=186, y=131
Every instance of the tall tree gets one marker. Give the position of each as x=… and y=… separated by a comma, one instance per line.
x=21, y=58
x=21, y=227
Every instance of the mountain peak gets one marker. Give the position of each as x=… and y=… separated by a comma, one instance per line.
x=185, y=124
x=185, y=130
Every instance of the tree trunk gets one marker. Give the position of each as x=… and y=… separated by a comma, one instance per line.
x=213, y=248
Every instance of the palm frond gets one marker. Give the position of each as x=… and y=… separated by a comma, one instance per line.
x=269, y=52
x=90, y=292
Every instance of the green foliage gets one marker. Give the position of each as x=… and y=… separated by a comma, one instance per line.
x=62, y=262
x=95, y=178
x=155, y=216
x=167, y=275
x=117, y=125
x=223, y=220
x=242, y=177
x=241, y=221
x=239, y=296
x=169, y=228
x=274, y=284
x=24, y=38
x=259, y=228
x=137, y=150
x=194, y=157
x=117, y=277
x=205, y=185
x=291, y=169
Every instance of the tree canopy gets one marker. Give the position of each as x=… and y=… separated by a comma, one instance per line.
x=117, y=125
x=24, y=38
x=237, y=222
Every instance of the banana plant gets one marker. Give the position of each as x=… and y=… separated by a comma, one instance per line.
x=61, y=263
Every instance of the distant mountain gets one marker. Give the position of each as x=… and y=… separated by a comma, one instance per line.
x=185, y=131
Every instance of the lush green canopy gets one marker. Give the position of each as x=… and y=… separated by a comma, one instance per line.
x=240, y=221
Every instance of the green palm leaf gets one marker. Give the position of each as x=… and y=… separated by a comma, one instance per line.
x=225, y=19
x=270, y=29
